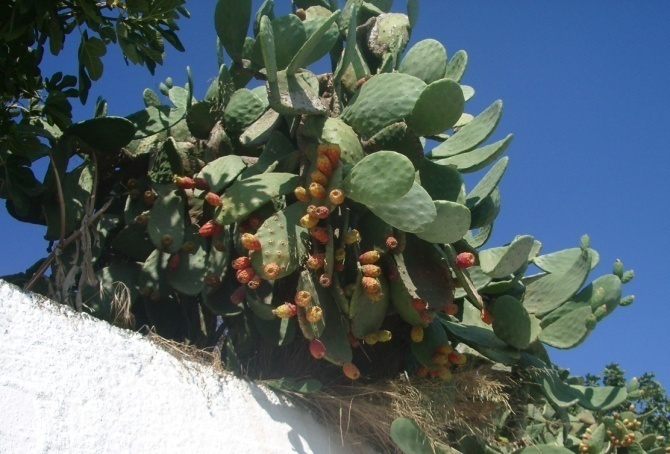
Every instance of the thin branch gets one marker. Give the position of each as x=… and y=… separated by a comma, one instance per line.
x=61, y=199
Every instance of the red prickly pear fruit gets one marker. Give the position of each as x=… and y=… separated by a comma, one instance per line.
x=486, y=317
x=201, y=183
x=213, y=199
x=370, y=285
x=212, y=280
x=317, y=190
x=319, y=177
x=353, y=341
x=250, y=242
x=149, y=198
x=325, y=281
x=445, y=349
x=433, y=373
x=361, y=81
x=317, y=349
x=322, y=212
x=457, y=358
x=271, y=271
x=245, y=275
x=370, y=257
x=465, y=260
x=422, y=371
x=187, y=247
x=451, y=309
x=173, y=261
x=303, y=298
x=209, y=228
x=384, y=335
x=315, y=261
x=351, y=371
x=351, y=237
x=336, y=196
x=426, y=317
x=254, y=221
x=183, y=182
x=238, y=296
x=308, y=221
x=371, y=270
x=241, y=263
x=301, y=14
x=440, y=359
x=313, y=314
x=391, y=242
x=445, y=374
x=371, y=339
x=166, y=240
x=255, y=282
x=320, y=234
x=419, y=304
x=286, y=310
x=324, y=165
x=302, y=194
x=417, y=333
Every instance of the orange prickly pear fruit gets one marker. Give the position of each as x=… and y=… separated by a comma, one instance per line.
x=302, y=194
x=241, y=263
x=324, y=165
x=457, y=358
x=187, y=247
x=371, y=270
x=486, y=316
x=271, y=271
x=370, y=285
x=451, y=309
x=183, y=182
x=286, y=310
x=303, y=298
x=317, y=349
x=336, y=196
x=351, y=371
x=250, y=242
x=445, y=349
x=417, y=333
x=317, y=190
x=440, y=359
x=426, y=317
x=319, y=177
x=369, y=257
x=302, y=15
x=166, y=240
x=351, y=237
x=419, y=304
x=245, y=275
x=313, y=314
x=465, y=260
x=308, y=221
x=209, y=228
x=213, y=199
x=333, y=152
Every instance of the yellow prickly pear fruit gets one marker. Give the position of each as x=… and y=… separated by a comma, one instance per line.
x=313, y=314
x=369, y=257
x=351, y=237
x=286, y=310
x=384, y=335
x=371, y=339
x=417, y=333
x=303, y=298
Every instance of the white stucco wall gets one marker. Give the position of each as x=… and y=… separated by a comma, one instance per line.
x=71, y=383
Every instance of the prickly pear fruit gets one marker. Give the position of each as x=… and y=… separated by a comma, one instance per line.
x=302, y=15
x=465, y=260
x=370, y=285
x=371, y=270
x=351, y=371
x=219, y=246
x=187, y=247
x=209, y=228
x=254, y=221
x=201, y=183
x=315, y=261
x=451, y=309
x=313, y=314
x=325, y=281
x=245, y=275
x=422, y=371
x=286, y=310
x=371, y=339
x=340, y=255
x=320, y=234
x=237, y=297
x=426, y=317
x=486, y=316
x=303, y=298
x=336, y=196
x=255, y=282
x=308, y=221
x=440, y=359
x=445, y=349
x=417, y=333
x=271, y=270
x=302, y=194
x=173, y=261
x=241, y=263
x=166, y=240
x=324, y=165
x=317, y=190
x=331, y=150
x=212, y=280
x=590, y=322
x=149, y=198
x=317, y=349
x=457, y=358
x=320, y=178
x=351, y=237
x=391, y=243
x=369, y=257
x=419, y=304
x=322, y=212
x=249, y=241
x=141, y=219
x=445, y=374
x=183, y=182
x=213, y=199
x=384, y=335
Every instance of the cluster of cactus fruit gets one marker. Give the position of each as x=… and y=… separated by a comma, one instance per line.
x=313, y=208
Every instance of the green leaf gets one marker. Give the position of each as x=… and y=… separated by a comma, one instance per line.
x=90, y=51
x=231, y=21
x=409, y=437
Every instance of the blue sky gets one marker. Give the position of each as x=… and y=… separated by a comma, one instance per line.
x=586, y=91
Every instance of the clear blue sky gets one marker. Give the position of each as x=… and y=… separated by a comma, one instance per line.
x=586, y=91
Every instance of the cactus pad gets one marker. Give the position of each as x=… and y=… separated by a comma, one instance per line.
x=437, y=109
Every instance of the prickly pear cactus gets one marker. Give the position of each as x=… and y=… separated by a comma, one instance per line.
x=330, y=209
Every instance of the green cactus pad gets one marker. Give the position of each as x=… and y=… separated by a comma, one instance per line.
x=451, y=223
x=399, y=138
x=438, y=108
x=289, y=32
x=382, y=100
x=166, y=217
x=426, y=60
x=283, y=241
x=260, y=131
x=246, y=196
x=388, y=30
x=320, y=41
x=134, y=242
x=480, y=238
x=116, y=277
x=166, y=163
x=478, y=278
x=242, y=110
x=442, y=182
x=567, y=331
x=188, y=278
x=402, y=302
x=296, y=94
x=367, y=315
x=153, y=120
x=200, y=119
x=456, y=66
x=512, y=323
x=487, y=184
x=551, y=290
x=266, y=9
x=334, y=130
x=502, y=261
x=277, y=148
x=417, y=201
x=425, y=274
x=221, y=172
x=605, y=290
x=231, y=21
x=434, y=336
x=104, y=133
x=468, y=92
x=543, y=449
x=561, y=261
x=478, y=158
x=277, y=332
x=347, y=24
x=379, y=178
x=153, y=276
x=261, y=301
x=482, y=339
x=487, y=211
x=470, y=135
x=409, y=438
